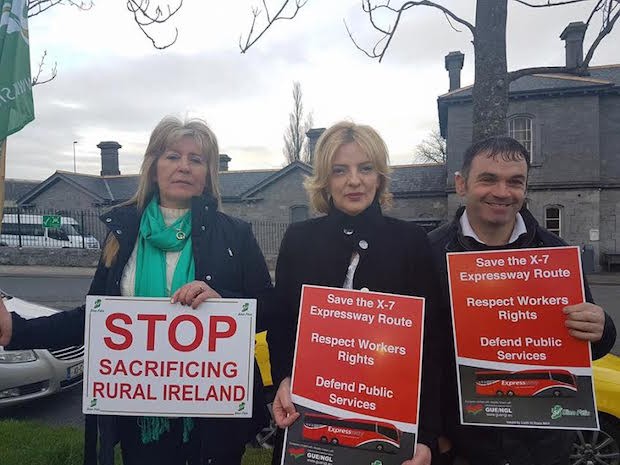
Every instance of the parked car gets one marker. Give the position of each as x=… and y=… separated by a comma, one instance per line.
x=76, y=236
x=31, y=374
x=602, y=447
x=27, y=230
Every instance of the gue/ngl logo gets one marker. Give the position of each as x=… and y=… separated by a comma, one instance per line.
x=297, y=452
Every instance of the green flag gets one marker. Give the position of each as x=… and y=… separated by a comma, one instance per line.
x=16, y=106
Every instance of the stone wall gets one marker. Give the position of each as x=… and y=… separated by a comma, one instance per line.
x=49, y=257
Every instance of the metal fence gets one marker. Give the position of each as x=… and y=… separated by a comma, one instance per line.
x=27, y=228
x=269, y=235
x=83, y=229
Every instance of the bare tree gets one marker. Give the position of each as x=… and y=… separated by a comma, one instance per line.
x=37, y=79
x=144, y=14
x=432, y=149
x=36, y=7
x=295, y=146
x=490, y=91
x=284, y=12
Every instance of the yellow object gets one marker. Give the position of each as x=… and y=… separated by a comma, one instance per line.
x=261, y=352
x=607, y=384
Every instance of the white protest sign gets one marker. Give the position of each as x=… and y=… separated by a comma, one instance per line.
x=146, y=356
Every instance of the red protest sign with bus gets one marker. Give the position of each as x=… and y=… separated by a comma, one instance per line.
x=145, y=356
x=517, y=364
x=356, y=377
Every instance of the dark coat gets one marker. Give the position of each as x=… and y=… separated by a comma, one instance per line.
x=495, y=446
x=226, y=256
x=397, y=260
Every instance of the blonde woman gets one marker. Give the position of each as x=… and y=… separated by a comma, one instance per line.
x=168, y=240
x=354, y=246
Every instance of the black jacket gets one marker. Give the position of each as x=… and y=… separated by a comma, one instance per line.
x=397, y=260
x=226, y=256
x=494, y=446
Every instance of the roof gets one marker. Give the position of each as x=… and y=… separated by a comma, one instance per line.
x=104, y=189
x=16, y=188
x=236, y=185
x=418, y=179
x=601, y=79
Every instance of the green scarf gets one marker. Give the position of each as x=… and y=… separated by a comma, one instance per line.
x=154, y=240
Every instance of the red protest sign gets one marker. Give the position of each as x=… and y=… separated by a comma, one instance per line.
x=507, y=305
x=517, y=364
x=351, y=350
x=356, y=377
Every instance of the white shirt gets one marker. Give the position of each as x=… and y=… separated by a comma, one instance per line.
x=467, y=230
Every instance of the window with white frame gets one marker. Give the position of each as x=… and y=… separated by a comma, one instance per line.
x=553, y=219
x=520, y=128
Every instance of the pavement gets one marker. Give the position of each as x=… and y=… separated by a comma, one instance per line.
x=600, y=279
x=36, y=270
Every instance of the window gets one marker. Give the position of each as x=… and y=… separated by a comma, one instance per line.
x=520, y=128
x=553, y=219
x=299, y=213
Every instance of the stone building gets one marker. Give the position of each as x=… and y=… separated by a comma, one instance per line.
x=269, y=199
x=571, y=126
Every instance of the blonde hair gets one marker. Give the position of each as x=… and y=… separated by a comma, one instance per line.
x=167, y=132
x=344, y=132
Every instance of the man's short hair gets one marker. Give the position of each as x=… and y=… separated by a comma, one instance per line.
x=507, y=148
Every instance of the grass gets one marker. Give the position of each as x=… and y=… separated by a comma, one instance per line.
x=31, y=443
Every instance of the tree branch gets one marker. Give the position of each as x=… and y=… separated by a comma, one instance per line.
x=605, y=30
x=37, y=79
x=36, y=7
x=250, y=40
x=596, y=8
x=388, y=34
x=549, y=3
x=514, y=75
x=144, y=16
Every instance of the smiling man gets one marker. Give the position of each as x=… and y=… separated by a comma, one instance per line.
x=493, y=183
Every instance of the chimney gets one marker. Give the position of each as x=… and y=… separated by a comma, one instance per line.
x=109, y=157
x=313, y=135
x=573, y=36
x=224, y=159
x=454, y=65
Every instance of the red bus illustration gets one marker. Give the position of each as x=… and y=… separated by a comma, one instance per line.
x=526, y=383
x=364, y=434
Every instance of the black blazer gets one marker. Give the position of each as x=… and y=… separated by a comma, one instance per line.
x=395, y=257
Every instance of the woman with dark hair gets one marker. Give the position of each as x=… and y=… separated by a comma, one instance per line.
x=169, y=240
x=354, y=246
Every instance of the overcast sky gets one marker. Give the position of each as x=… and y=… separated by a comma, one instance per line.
x=113, y=85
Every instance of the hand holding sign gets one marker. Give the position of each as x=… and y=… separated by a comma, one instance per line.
x=194, y=294
x=585, y=321
x=284, y=412
x=6, y=325
x=422, y=456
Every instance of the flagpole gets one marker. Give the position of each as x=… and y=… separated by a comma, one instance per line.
x=2, y=172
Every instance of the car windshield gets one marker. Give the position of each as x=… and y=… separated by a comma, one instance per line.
x=70, y=230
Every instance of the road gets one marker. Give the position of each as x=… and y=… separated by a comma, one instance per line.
x=68, y=292
x=62, y=292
